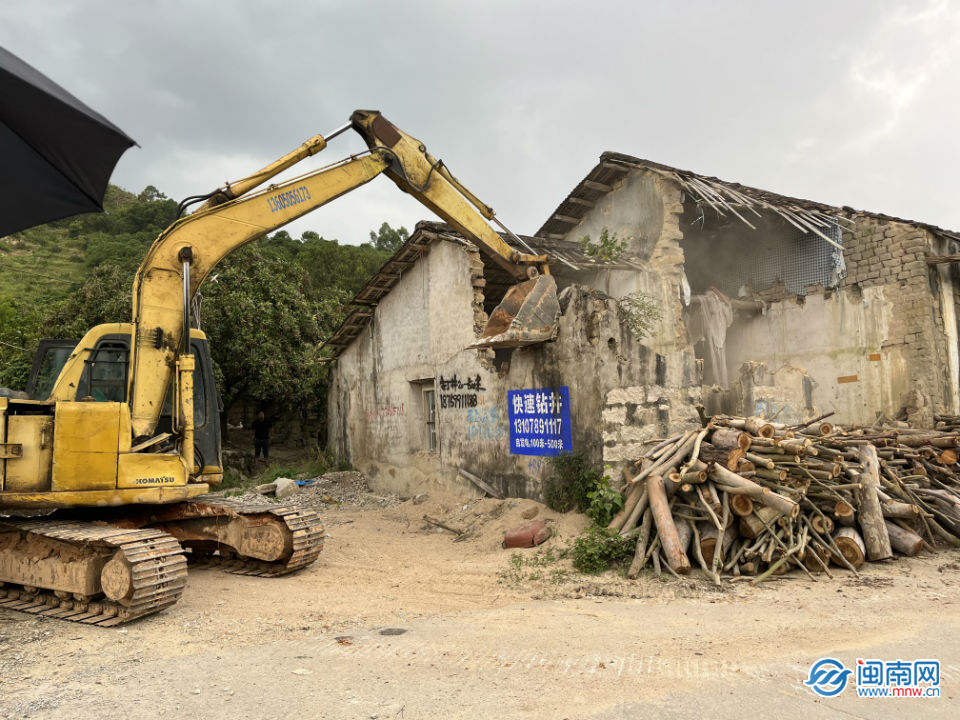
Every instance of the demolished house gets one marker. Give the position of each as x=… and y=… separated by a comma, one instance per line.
x=764, y=305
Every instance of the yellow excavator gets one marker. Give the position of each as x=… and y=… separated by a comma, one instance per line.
x=115, y=454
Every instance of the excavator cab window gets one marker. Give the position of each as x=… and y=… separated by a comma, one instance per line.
x=105, y=376
x=51, y=356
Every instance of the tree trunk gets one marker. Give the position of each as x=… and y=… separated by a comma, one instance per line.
x=708, y=542
x=895, y=509
x=752, y=526
x=844, y=514
x=875, y=536
x=785, y=505
x=663, y=519
x=633, y=498
x=741, y=505
x=730, y=438
x=905, y=542
x=850, y=543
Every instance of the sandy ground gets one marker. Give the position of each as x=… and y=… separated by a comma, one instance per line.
x=398, y=620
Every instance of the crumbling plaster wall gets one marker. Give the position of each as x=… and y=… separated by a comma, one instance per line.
x=875, y=345
x=645, y=209
x=622, y=391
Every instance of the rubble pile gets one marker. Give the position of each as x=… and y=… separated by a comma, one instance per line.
x=332, y=490
x=747, y=498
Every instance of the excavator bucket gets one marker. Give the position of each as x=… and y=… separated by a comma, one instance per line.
x=528, y=314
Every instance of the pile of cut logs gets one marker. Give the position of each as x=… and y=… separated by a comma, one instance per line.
x=747, y=498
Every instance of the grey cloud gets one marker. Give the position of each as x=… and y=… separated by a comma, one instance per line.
x=518, y=98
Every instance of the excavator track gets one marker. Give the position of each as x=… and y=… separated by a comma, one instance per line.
x=303, y=527
x=138, y=571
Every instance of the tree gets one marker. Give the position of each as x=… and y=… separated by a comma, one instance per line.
x=264, y=329
x=19, y=327
x=104, y=297
x=387, y=239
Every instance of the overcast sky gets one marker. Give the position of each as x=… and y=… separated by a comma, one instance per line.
x=848, y=103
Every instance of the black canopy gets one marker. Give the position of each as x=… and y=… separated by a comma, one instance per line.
x=56, y=154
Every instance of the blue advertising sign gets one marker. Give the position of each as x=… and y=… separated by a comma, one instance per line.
x=540, y=421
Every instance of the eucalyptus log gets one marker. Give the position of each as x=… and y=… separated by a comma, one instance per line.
x=640, y=554
x=666, y=528
x=754, y=525
x=851, y=545
x=730, y=438
x=636, y=492
x=785, y=505
x=875, y=536
x=816, y=557
x=759, y=427
x=906, y=542
x=708, y=542
x=822, y=524
x=760, y=460
x=896, y=509
x=741, y=505
x=844, y=514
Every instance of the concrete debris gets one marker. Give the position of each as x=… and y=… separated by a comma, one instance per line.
x=285, y=487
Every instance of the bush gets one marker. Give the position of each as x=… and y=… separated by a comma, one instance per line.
x=605, y=502
x=599, y=549
x=569, y=486
x=640, y=311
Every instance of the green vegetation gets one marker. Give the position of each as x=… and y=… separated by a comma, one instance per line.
x=532, y=568
x=575, y=485
x=608, y=248
x=570, y=484
x=599, y=549
x=640, y=311
x=605, y=502
x=266, y=308
x=387, y=239
x=322, y=462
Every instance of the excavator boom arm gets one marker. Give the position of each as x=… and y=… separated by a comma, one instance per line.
x=238, y=214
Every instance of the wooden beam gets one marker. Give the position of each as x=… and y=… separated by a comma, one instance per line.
x=581, y=201
x=591, y=185
x=943, y=259
x=567, y=219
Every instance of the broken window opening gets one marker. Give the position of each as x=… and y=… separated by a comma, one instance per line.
x=430, y=403
x=773, y=261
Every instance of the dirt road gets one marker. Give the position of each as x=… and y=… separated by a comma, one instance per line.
x=398, y=620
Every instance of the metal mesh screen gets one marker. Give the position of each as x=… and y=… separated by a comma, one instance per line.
x=797, y=260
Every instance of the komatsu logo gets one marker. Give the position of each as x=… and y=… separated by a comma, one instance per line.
x=161, y=480
x=289, y=198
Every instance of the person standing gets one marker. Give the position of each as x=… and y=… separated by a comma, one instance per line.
x=260, y=429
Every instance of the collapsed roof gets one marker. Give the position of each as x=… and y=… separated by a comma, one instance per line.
x=722, y=196
x=566, y=260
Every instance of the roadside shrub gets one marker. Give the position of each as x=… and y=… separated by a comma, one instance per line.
x=599, y=549
x=570, y=484
x=605, y=502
